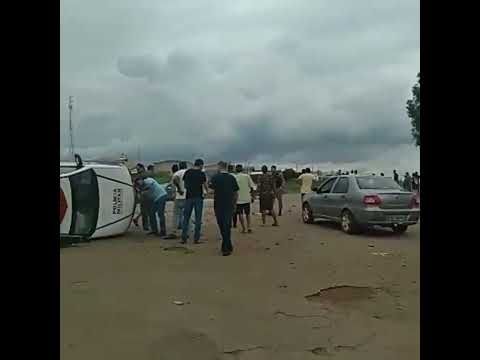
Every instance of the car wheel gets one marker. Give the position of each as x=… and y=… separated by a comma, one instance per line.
x=307, y=214
x=348, y=223
x=399, y=229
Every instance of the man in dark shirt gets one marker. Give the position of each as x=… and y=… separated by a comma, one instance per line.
x=226, y=193
x=195, y=183
x=231, y=170
x=396, y=177
x=279, y=183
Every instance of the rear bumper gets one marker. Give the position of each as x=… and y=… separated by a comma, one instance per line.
x=376, y=216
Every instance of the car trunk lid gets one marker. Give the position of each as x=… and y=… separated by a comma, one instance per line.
x=392, y=199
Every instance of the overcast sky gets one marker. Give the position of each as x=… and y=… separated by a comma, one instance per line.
x=285, y=81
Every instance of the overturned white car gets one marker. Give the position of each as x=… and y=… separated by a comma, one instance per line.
x=96, y=199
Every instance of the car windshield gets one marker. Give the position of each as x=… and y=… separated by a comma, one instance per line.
x=377, y=183
x=85, y=203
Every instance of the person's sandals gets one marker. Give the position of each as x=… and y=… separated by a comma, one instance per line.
x=170, y=237
x=249, y=231
x=275, y=224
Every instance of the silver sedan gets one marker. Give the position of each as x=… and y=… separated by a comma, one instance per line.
x=360, y=202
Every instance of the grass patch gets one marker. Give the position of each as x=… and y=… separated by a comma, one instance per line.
x=162, y=177
x=292, y=187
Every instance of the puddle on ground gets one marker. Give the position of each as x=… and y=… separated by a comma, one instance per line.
x=342, y=294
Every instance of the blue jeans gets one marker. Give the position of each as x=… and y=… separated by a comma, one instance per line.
x=158, y=208
x=178, y=207
x=190, y=204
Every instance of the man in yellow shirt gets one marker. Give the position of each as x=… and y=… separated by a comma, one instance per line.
x=306, y=180
x=245, y=184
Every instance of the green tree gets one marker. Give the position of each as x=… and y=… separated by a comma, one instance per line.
x=289, y=174
x=413, y=111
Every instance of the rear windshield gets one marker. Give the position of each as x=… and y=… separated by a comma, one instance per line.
x=377, y=183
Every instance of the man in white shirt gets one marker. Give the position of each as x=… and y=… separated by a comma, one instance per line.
x=245, y=184
x=306, y=180
x=180, y=196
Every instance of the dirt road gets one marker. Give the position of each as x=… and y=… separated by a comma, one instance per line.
x=117, y=295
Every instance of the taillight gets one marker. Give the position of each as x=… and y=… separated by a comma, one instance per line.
x=372, y=200
x=415, y=202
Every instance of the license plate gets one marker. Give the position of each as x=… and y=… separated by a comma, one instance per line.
x=397, y=218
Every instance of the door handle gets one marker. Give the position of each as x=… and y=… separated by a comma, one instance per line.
x=325, y=196
x=343, y=197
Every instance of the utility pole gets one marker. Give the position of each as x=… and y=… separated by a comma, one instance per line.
x=70, y=109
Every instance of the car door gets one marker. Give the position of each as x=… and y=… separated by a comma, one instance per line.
x=338, y=198
x=320, y=200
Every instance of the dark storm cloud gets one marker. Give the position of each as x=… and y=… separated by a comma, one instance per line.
x=257, y=138
x=292, y=80
x=178, y=65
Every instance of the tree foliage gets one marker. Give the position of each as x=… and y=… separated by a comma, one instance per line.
x=289, y=174
x=413, y=111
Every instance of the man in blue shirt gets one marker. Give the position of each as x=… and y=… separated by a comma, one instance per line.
x=157, y=197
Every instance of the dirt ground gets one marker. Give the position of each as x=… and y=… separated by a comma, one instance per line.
x=263, y=302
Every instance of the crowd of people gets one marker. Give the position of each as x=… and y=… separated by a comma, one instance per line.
x=409, y=182
x=233, y=190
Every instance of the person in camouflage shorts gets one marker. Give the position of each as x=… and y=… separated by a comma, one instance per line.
x=266, y=192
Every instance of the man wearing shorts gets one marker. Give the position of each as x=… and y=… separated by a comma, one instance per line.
x=245, y=185
x=279, y=184
x=231, y=170
x=266, y=191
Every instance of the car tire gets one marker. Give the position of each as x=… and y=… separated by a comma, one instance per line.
x=399, y=229
x=307, y=214
x=348, y=223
